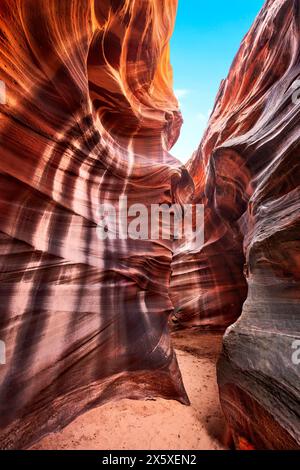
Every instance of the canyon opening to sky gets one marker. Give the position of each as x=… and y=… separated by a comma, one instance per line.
x=205, y=40
x=131, y=341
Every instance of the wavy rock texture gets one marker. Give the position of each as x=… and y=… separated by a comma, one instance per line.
x=90, y=116
x=247, y=172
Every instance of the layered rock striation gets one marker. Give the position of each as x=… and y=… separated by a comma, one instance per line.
x=90, y=116
x=247, y=172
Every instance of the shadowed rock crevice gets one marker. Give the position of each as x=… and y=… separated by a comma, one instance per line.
x=91, y=115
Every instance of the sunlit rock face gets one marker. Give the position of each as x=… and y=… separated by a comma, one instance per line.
x=247, y=172
x=90, y=115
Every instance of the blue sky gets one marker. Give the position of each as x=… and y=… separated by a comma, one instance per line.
x=206, y=38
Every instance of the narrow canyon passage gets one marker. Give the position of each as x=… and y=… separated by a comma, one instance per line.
x=88, y=121
x=157, y=423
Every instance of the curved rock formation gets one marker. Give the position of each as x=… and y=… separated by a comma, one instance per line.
x=248, y=173
x=90, y=116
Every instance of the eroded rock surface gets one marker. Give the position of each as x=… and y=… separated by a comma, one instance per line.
x=248, y=168
x=90, y=115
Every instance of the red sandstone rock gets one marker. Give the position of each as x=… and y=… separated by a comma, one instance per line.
x=250, y=160
x=246, y=171
x=91, y=115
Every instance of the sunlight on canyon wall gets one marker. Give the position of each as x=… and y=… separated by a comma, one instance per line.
x=90, y=115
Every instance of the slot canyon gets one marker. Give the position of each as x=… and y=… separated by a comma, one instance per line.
x=90, y=115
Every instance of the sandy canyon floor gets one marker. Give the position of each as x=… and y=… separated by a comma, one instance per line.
x=157, y=424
